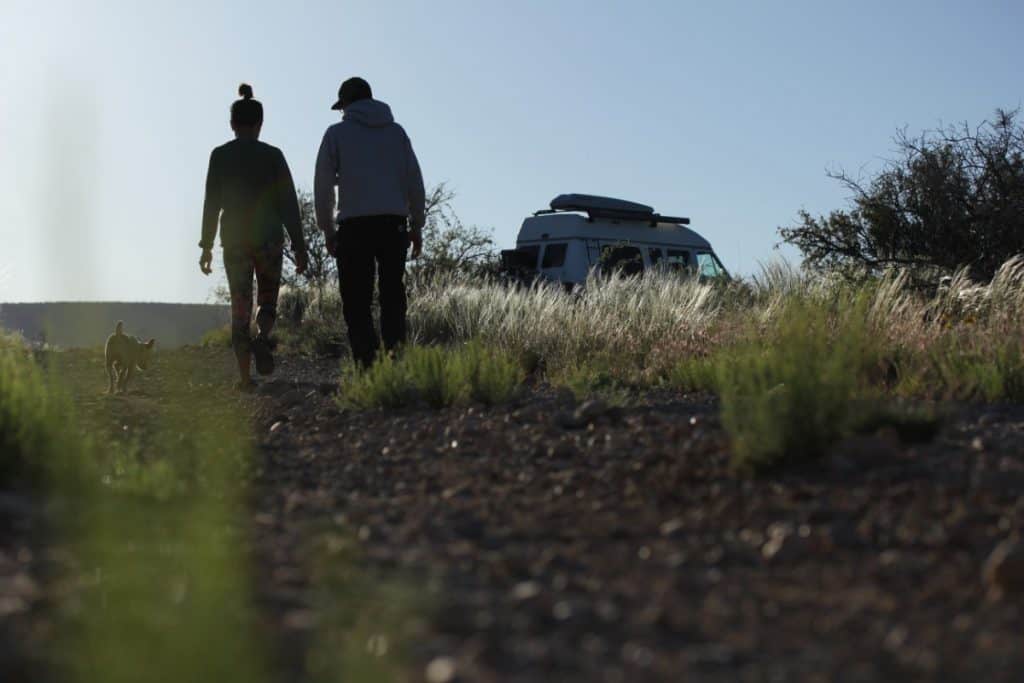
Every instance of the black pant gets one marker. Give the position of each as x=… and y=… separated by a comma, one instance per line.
x=365, y=244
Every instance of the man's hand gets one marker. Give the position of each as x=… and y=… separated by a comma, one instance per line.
x=206, y=262
x=331, y=242
x=416, y=240
x=301, y=262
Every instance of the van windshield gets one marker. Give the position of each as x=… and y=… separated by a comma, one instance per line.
x=708, y=265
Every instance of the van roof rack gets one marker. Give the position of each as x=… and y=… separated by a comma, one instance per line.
x=608, y=207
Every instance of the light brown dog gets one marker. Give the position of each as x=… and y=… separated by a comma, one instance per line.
x=124, y=354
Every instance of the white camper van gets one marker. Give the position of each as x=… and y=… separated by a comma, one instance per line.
x=580, y=233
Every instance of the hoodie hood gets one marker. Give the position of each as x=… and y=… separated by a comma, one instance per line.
x=371, y=113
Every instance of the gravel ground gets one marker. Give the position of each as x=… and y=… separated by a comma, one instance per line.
x=569, y=542
x=553, y=541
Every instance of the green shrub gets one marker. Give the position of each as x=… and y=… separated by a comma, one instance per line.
x=218, y=337
x=990, y=375
x=432, y=375
x=789, y=397
x=696, y=374
x=436, y=376
x=490, y=377
x=383, y=385
x=34, y=439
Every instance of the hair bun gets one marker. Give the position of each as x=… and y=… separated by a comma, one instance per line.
x=245, y=91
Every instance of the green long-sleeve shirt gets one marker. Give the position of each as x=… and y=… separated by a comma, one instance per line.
x=250, y=190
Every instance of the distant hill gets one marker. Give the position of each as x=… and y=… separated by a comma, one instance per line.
x=87, y=324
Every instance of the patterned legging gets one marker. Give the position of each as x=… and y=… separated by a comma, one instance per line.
x=242, y=263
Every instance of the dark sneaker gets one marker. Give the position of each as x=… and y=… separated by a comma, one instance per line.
x=262, y=353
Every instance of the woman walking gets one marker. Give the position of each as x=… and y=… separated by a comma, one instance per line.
x=249, y=191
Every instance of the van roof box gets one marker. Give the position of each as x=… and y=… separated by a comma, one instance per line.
x=608, y=207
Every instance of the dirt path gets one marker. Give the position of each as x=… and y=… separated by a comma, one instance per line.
x=548, y=541
x=618, y=546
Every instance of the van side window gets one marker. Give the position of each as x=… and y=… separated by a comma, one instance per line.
x=622, y=259
x=678, y=259
x=554, y=256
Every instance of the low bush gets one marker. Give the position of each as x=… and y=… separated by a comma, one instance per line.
x=488, y=377
x=34, y=440
x=218, y=338
x=436, y=376
x=991, y=375
x=789, y=395
x=694, y=374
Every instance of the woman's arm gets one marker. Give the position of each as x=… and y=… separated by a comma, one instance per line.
x=211, y=204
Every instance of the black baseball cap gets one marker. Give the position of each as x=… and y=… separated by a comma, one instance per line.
x=352, y=90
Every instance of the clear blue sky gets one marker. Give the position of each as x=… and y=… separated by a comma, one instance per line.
x=728, y=112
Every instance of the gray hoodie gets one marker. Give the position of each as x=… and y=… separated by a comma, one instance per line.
x=369, y=158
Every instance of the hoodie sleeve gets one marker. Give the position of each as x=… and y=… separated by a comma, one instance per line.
x=417, y=194
x=211, y=204
x=323, y=184
x=288, y=204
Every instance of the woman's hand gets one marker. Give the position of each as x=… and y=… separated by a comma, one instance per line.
x=206, y=261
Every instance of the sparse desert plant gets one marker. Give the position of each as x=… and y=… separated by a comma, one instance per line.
x=36, y=444
x=218, y=337
x=431, y=375
x=787, y=396
x=385, y=384
x=696, y=373
x=490, y=377
x=436, y=376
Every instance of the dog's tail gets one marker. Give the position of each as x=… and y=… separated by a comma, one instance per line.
x=119, y=330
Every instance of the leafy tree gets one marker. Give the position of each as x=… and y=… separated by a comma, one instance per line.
x=322, y=268
x=952, y=197
x=449, y=245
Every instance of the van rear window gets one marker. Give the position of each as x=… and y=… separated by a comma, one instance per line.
x=523, y=258
x=554, y=256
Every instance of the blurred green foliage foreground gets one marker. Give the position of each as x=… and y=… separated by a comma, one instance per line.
x=147, y=493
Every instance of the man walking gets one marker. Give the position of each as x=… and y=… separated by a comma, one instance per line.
x=380, y=212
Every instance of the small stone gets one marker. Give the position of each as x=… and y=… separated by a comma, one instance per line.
x=300, y=620
x=784, y=546
x=990, y=419
x=567, y=420
x=562, y=610
x=672, y=527
x=591, y=410
x=440, y=670
x=1004, y=568
x=526, y=590
x=276, y=427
